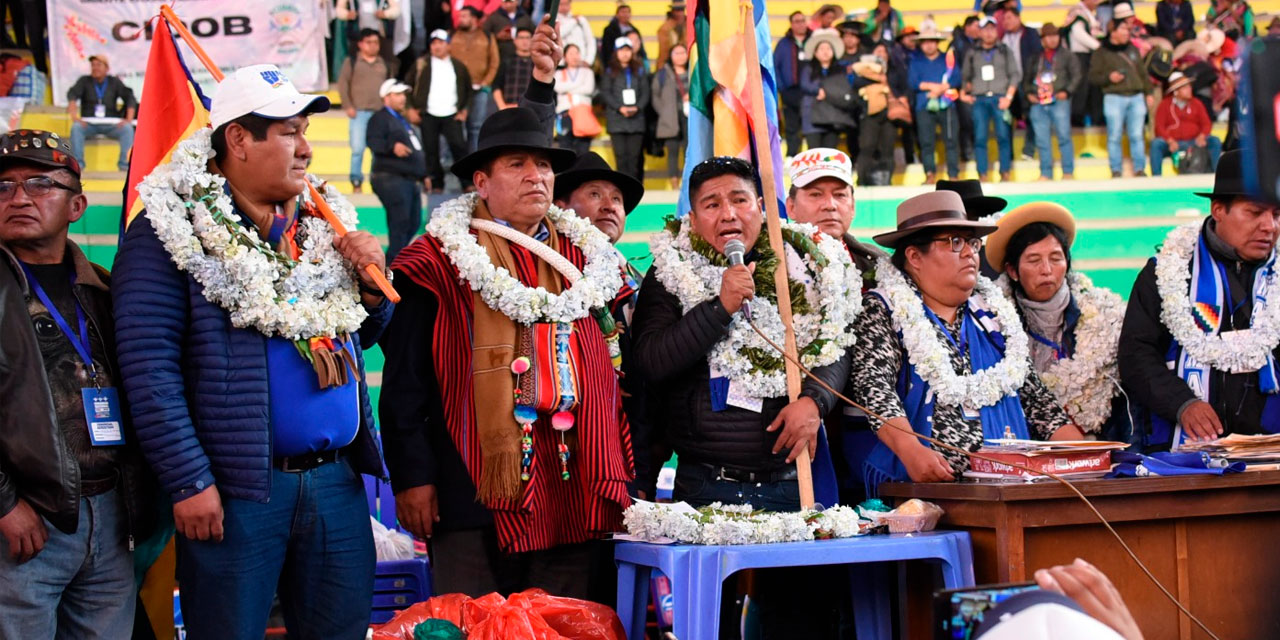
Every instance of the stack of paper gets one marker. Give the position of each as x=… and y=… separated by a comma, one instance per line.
x=1251, y=449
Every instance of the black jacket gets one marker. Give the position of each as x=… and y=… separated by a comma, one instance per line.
x=671, y=349
x=612, y=85
x=421, y=82
x=385, y=130
x=1144, y=351
x=35, y=462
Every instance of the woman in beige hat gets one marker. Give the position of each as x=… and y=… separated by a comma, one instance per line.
x=1074, y=326
x=941, y=352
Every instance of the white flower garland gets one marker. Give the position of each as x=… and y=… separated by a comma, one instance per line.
x=1233, y=351
x=834, y=296
x=1085, y=382
x=503, y=292
x=718, y=524
x=316, y=296
x=932, y=359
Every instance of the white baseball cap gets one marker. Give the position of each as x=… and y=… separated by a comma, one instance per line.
x=439, y=34
x=263, y=90
x=391, y=86
x=621, y=42
x=987, y=20
x=820, y=163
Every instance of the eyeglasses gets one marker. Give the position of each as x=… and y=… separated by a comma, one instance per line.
x=958, y=242
x=36, y=187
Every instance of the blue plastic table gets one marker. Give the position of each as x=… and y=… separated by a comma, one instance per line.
x=697, y=572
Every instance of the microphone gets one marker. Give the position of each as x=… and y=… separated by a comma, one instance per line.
x=735, y=251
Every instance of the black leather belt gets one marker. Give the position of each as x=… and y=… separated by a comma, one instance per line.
x=306, y=461
x=739, y=475
x=98, y=487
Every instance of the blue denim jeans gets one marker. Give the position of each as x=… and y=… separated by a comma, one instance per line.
x=697, y=485
x=986, y=109
x=312, y=540
x=481, y=106
x=122, y=134
x=1125, y=114
x=357, y=128
x=401, y=197
x=80, y=587
x=927, y=125
x=1160, y=150
x=1056, y=117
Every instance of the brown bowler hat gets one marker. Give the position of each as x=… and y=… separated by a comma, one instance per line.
x=933, y=209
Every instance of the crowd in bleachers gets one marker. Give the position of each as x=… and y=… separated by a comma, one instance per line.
x=875, y=84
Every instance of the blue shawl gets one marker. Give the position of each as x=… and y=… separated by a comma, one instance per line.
x=1001, y=420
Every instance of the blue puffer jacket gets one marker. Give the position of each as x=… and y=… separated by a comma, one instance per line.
x=197, y=386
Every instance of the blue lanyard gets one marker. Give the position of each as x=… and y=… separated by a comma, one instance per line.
x=1058, y=351
x=960, y=343
x=399, y=117
x=628, y=77
x=989, y=54
x=280, y=223
x=101, y=90
x=81, y=340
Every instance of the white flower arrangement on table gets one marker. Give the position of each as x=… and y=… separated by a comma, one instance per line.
x=315, y=296
x=503, y=292
x=1086, y=382
x=931, y=358
x=718, y=524
x=1233, y=351
x=832, y=300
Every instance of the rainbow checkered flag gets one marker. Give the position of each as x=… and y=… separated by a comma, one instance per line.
x=719, y=104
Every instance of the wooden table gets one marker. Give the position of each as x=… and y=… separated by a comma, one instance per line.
x=1213, y=541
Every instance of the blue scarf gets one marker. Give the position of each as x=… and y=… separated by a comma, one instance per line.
x=1001, y=420
x=1211, y=298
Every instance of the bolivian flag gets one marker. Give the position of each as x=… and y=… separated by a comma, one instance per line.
x=720, y=108
x=172, y=109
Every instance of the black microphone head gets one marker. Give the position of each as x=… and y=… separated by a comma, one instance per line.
x=735, y=251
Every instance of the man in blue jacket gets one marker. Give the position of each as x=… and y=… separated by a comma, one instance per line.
x=933, y=79
x=788, y=57
x=240, y=319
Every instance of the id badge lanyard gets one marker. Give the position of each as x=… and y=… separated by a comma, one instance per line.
x=413, y=138
x=78, y=340
x=100, y=109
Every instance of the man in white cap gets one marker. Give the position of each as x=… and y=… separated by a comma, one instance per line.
x=399, y=168
x=821, y=194
x=240, y=321
x=441, y=95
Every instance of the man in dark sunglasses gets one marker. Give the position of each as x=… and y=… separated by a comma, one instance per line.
x=74, y=494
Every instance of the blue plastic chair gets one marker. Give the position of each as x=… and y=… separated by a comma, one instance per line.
x=396, y=583
x=697, y=573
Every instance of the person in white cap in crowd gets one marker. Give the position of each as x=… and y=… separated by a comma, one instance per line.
x=240, y=322
x=441, y=95
x=1182, y=123
x=625, y=90
x=109, y=107
x=399, y=166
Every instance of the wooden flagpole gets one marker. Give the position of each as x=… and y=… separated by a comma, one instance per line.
x=773, y=219
x=340, y=229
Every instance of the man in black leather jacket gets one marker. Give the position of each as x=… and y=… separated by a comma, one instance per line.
x=73, y=499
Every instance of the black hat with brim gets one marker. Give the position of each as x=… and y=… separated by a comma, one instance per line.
x=517, y=129
x=1228, y=179
x=976, y=205
x=589, y=167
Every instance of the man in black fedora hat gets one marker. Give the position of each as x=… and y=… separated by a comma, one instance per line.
x=1207, y=281
x=595, y=191
x=509, y=460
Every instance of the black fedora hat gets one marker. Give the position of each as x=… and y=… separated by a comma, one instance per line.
x=1228, y=179
x=976, y=204
x=590, y=166
x=515, y=129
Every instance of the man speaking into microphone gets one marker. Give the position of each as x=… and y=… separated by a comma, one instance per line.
x=718, y=396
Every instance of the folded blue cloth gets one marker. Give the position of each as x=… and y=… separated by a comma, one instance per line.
x=1167, y=463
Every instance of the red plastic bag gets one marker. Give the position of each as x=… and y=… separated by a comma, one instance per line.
x=529, y=615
